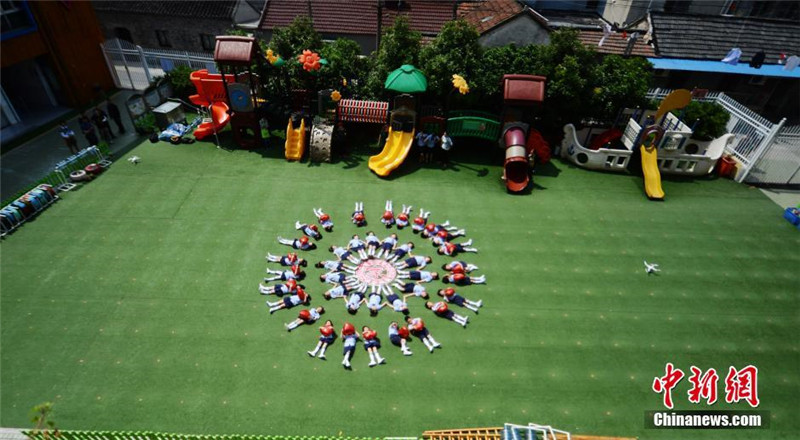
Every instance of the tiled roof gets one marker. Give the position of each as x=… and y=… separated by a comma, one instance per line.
x=486, y=15
x=220, y=9
x=425, y=16
x=571, y=19
x=615, y=44
x=711, y=37
x=358, y=17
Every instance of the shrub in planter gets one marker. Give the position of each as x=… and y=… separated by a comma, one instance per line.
x=712, y=116
x=146, y=124
x=182, y=86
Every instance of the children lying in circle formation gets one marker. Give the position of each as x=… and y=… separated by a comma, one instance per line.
x=400, y=269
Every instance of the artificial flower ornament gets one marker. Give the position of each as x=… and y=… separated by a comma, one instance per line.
x=272, y=57
x=336, y=96
x=461, y=84
x=309, y=60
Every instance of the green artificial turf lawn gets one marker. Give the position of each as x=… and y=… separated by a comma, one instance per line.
x=132, y=302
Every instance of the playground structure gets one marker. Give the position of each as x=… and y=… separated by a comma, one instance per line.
x=295, y=140
x=398, y=143
x=522, y=94
x=236, y=55
x=474, y=124
x=211, y=96
x=231, y=98
x=521, y=142
x=400, y=137
x=669, y=148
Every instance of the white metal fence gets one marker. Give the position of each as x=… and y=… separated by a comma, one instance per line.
x=134, y=67
x=769, y=152
x=780, y=164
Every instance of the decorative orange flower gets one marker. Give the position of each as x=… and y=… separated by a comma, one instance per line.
x=309, y=60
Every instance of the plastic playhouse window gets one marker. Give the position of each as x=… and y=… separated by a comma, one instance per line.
x=667, y=164
x=690, y=166
x=621, y=160
x=610, y=160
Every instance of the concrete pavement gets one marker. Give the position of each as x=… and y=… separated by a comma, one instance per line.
x=26, y=164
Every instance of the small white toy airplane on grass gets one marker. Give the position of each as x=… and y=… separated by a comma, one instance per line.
x=134, y=159
x=651, y=268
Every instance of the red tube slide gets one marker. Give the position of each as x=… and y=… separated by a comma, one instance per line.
x=516, y=163
x=219, y=119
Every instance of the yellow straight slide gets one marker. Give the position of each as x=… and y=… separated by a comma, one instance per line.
x=652, y=177
x=295, y=141
x=398, y=143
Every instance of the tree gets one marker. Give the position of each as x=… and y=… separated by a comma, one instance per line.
x=179, y=78
x=289, y=42
x=569, y=67
x=344, y=61
x=618, y=83
x=399, y=45
x=236, y=32
x=293, y=39
x=712, y=117
x=498, y=61
x=454, y=51
x=42, y=424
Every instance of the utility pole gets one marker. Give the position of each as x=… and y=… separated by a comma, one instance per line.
x=380, y=20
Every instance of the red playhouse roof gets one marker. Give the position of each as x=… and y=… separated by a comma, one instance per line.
x=235, y=50
x=523, y=89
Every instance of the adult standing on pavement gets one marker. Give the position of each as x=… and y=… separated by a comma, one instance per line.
x=88, y=130
x=113, y=112
x=100, y=119
x=69, y=137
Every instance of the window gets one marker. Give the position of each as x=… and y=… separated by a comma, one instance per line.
x=208, y=41
x=123, y=34
x=15, y=19
x=163, y=39
x=774, y=9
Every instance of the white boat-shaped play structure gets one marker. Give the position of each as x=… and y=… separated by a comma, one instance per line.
x=611, y=150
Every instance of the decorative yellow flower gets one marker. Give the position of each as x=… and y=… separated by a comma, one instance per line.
x=461, y=84
x=271, y=56
x=336, y=96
